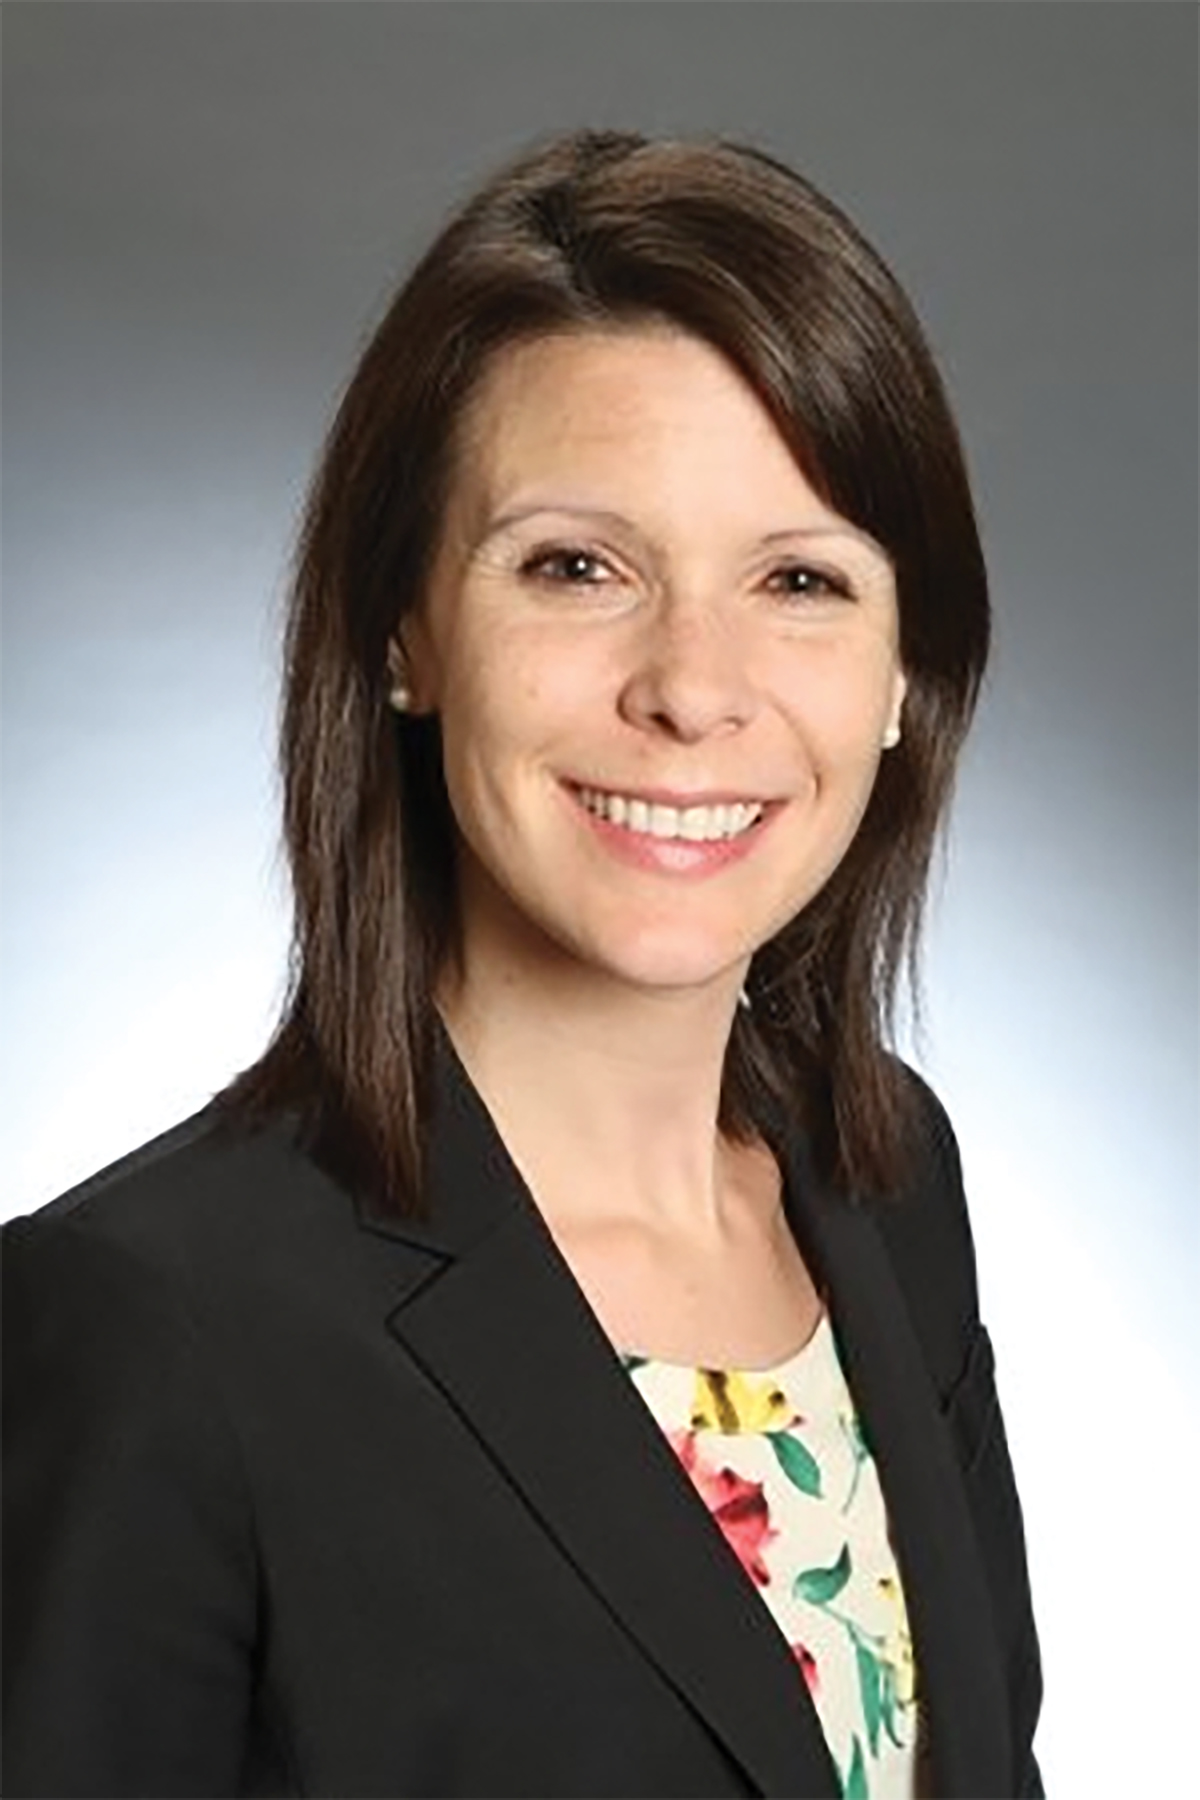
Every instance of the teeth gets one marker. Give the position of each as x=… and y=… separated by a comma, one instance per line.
x=694, y=824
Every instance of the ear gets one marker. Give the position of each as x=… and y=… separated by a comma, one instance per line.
x=397, y=660
x=410, y=663
x=899, y=689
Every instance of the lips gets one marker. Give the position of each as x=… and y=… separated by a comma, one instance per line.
x=655, y=842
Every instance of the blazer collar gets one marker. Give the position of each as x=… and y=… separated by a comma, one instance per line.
x=497, y=1320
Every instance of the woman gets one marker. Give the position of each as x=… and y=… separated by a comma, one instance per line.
x=555, y=1367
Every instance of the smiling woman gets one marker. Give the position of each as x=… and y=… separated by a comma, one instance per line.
x=658, y=661
x=555, y=1366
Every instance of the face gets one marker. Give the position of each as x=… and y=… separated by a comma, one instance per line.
x=663, y=667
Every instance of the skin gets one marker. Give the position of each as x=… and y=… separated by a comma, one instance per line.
x=595, y=999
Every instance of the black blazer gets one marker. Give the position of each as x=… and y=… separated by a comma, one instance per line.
x=301, y=1502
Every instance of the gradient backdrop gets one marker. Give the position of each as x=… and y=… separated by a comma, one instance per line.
x=205, y=207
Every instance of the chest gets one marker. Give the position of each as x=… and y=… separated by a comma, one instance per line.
x=747, y=1300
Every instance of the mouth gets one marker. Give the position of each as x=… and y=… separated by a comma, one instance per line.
x=680, y=819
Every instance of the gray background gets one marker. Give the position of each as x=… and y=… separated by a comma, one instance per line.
x=204, y=209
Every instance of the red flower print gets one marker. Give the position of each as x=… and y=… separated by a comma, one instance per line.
x=738, y=1506
x=808, y=1667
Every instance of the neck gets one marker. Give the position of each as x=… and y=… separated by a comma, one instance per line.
x=606, y=1094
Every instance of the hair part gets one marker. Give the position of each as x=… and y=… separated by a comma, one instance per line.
x=602, y=230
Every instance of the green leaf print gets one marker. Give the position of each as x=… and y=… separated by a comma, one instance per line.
x=855, y=1785
x=852, y=1432
x=797, y=1462
x=888, y=1702
x=871, y=1687
x=819, y=1586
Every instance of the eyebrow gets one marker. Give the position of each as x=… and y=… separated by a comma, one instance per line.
x=604, y=515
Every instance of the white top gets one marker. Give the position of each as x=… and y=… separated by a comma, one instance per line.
x=778, y=1457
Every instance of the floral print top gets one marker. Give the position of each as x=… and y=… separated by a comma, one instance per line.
x=779, y=1459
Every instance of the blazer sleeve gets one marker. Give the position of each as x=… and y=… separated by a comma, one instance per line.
x=966, y=1381
x=129, y=1563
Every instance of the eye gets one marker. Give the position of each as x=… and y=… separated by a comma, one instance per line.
x=565, y=565
x=814, y=584
x=561, y=556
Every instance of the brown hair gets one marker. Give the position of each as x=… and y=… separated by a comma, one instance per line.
x=600, y=229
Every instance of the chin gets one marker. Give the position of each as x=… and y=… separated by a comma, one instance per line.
x=661, y=960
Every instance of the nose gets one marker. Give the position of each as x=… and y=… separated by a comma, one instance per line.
x=689, y=677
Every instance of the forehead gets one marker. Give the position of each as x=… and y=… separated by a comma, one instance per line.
x=594, y=359
x=601, y=398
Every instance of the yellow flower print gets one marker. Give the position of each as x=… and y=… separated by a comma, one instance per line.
x=730, y=1402
x=897, y=1649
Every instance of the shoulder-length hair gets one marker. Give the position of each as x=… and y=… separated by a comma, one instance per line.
x=600, y=230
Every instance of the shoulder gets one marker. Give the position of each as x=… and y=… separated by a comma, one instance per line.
x=926, y=1230
x=203, y=1187
x=141, y=1307
x=204, y=1218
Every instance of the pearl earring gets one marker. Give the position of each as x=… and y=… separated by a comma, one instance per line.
x=400, y=697
x=891, y=737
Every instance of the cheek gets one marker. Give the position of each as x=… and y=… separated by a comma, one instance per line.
x=505, y=709
x=525, y=688
x=837, y=701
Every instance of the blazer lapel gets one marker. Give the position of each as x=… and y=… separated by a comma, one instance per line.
x=503, y=1328
x=958, y=1664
